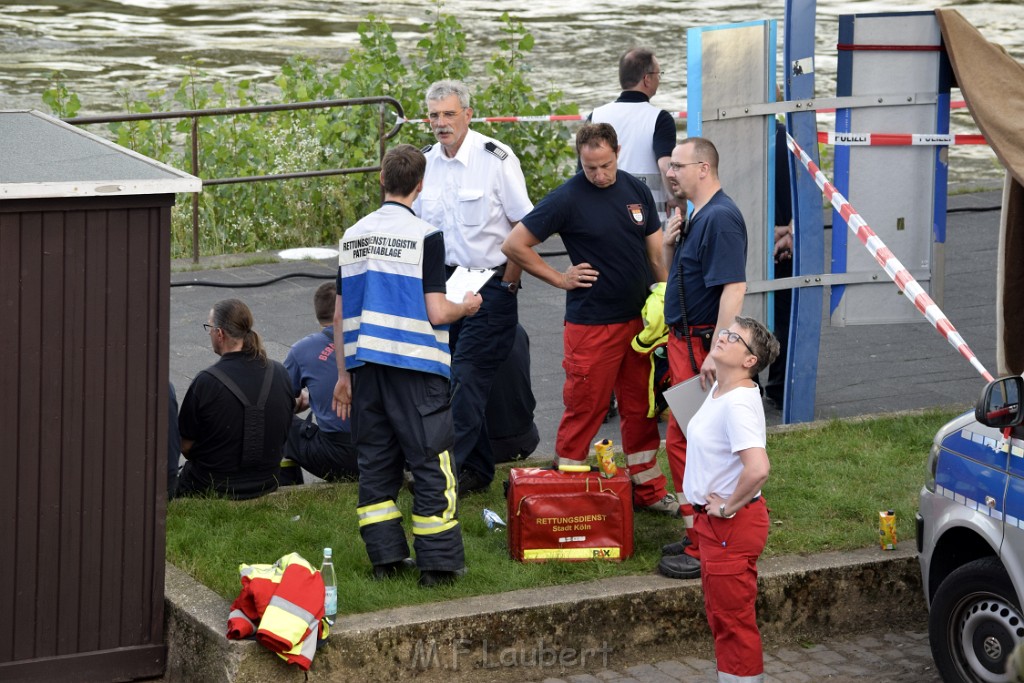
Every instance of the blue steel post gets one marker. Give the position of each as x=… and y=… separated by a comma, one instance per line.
x=809, y=242
x=841, y=159
x=946, y=81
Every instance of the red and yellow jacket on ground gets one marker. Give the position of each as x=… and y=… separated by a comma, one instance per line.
x=283, y=605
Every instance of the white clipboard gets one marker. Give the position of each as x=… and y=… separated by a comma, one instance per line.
x=466, y=280
x=685, y=399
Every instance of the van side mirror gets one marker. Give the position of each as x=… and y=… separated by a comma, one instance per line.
x=999, y=405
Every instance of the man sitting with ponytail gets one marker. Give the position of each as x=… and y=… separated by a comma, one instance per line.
x=235, y=416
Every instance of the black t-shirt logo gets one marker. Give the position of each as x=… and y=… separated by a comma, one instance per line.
x=636, y=212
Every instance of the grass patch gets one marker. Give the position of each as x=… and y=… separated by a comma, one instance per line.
x=825, y=490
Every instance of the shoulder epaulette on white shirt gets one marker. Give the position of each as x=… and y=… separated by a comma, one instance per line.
x=496, y=151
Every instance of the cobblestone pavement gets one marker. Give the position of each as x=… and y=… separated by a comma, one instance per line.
x=879, y=657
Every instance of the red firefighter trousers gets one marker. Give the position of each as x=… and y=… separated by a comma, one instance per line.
x=729, y=549
x=597, y=359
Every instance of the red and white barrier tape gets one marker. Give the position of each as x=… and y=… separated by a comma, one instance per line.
x=885, y=258
x=544, y=118
x=579, y=117
x=898, y=139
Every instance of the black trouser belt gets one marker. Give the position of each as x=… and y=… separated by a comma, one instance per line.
x=677, y=330
x=499, y=271
x=702, y=509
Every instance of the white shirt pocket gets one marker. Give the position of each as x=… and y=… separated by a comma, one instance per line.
x=472, y=207
x=431, y=207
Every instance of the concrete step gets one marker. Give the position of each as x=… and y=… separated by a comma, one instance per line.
x=553, y=631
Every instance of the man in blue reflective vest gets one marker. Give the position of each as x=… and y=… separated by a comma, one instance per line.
x=393, y=377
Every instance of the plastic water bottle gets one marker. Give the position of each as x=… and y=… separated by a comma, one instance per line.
x=330, y=586
x=493, y=520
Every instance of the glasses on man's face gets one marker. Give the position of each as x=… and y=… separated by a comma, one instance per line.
x=733, y=337
x=446, y=115
x=208, y=327
x=678, y=167
x=655, y=73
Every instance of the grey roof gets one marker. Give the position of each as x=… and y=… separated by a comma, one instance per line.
x=41, y=156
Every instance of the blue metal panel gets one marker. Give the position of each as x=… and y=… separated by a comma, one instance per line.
x=695, y=65
x=694, y=91
x=770, y=251
x=942, y=153
x=841, y=160
x=772, y=151
x=729, y=66
x=809, y=243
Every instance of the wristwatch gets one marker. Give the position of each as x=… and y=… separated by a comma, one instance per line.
x=512, y=287
x=721, y=512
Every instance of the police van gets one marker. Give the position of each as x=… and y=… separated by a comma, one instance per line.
x=970, y=537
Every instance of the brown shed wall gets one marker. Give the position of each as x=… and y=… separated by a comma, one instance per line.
x=84, y=315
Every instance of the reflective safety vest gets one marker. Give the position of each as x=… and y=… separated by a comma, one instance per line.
x=384, y=313
x=634, y=126
x=283, y=604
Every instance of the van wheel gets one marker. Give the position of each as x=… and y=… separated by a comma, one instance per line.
x=975, y=622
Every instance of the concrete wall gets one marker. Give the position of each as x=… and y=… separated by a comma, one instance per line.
x=553, y=631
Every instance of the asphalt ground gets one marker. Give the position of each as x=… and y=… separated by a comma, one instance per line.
x=862, y=369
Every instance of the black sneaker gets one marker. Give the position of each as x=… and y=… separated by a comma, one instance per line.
x=680, y=567
x=470, y=483
x=429, y=578
x=392, y=569
x=677, y=548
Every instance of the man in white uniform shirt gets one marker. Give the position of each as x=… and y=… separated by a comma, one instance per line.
x=474, y=190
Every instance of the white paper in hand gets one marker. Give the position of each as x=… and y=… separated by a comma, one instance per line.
x=685, y=399
x=466, y=280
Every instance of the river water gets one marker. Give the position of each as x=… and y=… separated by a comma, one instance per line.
x=110, y=47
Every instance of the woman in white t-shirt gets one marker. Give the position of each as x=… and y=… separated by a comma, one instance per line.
x=726, y=465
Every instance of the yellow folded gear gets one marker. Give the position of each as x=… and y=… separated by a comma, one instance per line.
x=655, y=330
x=654, y=334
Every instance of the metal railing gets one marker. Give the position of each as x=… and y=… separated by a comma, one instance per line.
x=196, y=114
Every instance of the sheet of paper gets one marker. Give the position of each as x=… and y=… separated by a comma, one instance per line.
x=685, y=399
x=466, y=280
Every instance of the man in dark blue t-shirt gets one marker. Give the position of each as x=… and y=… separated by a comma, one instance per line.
x=608, y=223
x=707, y=261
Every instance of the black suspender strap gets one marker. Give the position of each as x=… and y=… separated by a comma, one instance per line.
x=255, y=415
x=683, y=232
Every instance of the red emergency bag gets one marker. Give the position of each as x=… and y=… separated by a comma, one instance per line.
x=570, y=516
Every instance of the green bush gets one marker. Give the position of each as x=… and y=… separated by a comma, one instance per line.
x=314, y=211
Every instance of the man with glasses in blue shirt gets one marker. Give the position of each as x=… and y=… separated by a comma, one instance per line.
x=706, y=256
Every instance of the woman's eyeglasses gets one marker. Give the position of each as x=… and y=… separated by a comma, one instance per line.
x=733, y=337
